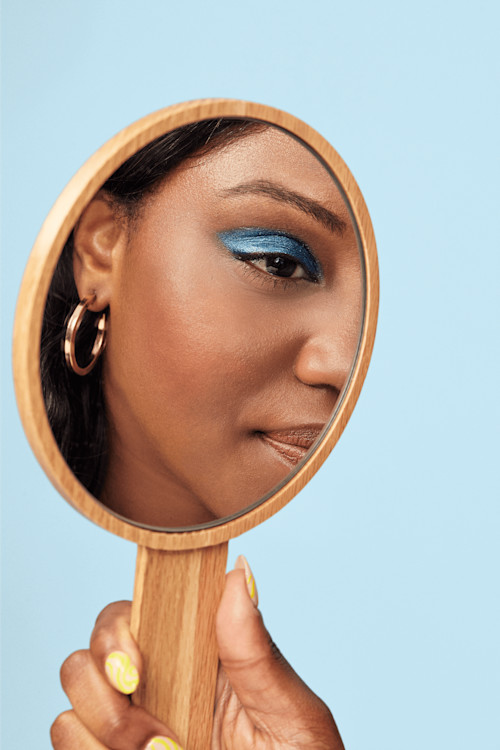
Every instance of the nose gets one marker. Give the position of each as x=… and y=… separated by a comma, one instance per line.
x=324, y=360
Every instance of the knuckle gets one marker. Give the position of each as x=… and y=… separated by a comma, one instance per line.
x=73, y=667
x=113, y=611
x=275, y=652
x=118, y=727
x=108, y=621
x=99, y=641
x=62, y=729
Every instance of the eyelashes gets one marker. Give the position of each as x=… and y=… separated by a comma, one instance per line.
x=271, y=251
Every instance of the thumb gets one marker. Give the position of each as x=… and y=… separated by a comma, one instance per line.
x=262, y=679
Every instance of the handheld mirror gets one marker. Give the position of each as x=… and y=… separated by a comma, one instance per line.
x=192, y=333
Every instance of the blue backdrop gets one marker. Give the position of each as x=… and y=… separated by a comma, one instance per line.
x=379, y=581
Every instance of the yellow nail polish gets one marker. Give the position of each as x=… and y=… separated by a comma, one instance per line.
x=122, y=674
x=162, y=743
x=242, y=563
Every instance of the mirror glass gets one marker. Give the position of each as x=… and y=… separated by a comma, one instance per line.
x=224, y=265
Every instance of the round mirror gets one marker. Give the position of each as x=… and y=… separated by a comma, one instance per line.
x=196, y=321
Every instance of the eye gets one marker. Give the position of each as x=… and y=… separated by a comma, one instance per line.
x=280, y=265
x=273, y=252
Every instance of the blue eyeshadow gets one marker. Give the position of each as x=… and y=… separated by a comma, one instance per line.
x=248, y=243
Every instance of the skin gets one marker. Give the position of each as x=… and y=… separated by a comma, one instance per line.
x=210, y=358
x=261, y=703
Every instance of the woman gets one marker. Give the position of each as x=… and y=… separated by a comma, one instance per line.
x=226, y=262
x=228, y=268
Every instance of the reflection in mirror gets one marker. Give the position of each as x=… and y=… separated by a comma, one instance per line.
x=224, y=264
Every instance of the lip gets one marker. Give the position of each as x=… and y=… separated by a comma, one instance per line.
x=293, y=443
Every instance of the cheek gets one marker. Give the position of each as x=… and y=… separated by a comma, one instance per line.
x=182, y=347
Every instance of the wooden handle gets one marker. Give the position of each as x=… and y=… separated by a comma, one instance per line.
x=176, y=595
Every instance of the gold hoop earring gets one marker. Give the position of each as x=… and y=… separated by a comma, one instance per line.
x=70, y=337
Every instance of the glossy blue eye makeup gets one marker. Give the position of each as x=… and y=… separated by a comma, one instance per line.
x=281, y=252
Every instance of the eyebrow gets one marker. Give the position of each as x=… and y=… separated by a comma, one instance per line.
x=329, y=219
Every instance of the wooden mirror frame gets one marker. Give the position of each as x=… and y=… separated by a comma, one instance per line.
x=178, y=644
x=38, y=275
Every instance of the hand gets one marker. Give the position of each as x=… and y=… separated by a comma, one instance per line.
x=261, y=703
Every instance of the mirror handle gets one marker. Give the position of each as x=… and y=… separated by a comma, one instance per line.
x=176, y=595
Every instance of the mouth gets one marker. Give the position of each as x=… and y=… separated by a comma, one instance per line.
x=292, y=444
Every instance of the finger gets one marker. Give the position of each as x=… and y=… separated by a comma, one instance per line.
x=262, y=679
x=108, y=715
x=223, y=686
x=114, y=650
x=67, y=732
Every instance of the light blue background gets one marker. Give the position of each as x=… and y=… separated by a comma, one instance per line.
x=380, y=581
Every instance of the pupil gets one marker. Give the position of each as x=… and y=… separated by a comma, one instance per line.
x=280, y=266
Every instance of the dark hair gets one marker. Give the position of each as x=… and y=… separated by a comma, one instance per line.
x=75, y=405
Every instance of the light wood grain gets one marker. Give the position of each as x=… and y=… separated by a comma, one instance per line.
x=176, y=596
x=38, y=275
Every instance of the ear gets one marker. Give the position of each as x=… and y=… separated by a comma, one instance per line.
x=99, y=239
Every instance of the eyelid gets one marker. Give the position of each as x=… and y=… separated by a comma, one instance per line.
x=253, y=242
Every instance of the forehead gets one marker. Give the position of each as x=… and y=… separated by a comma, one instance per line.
x=271, y=156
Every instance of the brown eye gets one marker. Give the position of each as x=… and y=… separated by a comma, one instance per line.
x=273, y=252
x=279, y=265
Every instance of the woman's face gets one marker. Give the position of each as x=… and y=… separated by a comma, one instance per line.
x=234, y=318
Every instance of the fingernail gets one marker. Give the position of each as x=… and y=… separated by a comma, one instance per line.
x=162, y=743
x=242, y=564
x=122, y=674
